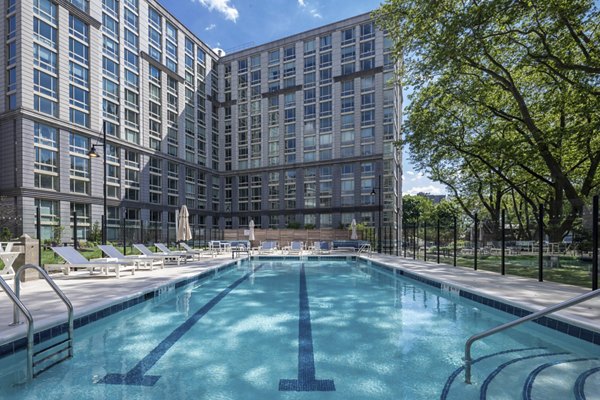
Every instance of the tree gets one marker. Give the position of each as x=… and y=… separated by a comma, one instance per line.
x=416, y=208
x=506, y=99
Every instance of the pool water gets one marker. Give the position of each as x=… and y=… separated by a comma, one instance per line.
x=309, y=330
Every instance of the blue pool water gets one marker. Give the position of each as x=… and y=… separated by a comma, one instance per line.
x=309, y=330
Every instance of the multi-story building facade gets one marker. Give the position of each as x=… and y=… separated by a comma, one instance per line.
x=295, y=132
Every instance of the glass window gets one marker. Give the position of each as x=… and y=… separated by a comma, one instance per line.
x=45, y=83
x=46, y=9
x=309, y=46
x=43, y=32
x=274, y=56
x=43, y=58
x=289, y=53
x=325, y=42
x=78, y=28
x=155, y=18
x=78, y=51
x=83, y=5
x=78, y=74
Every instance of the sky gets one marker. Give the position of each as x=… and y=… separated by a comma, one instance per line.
x=233, y=25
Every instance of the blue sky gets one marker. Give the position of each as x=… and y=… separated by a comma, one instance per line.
x=235, y=24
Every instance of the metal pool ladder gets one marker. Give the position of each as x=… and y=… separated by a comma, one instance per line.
x=41, y=356
x=549, y=310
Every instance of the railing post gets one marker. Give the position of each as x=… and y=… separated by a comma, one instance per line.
x=405, y=244
x=476, y=242
x=425, y=241
x=541, y=244
x=455, y=240
x=38, y=228
x=595, y=223
x=415, y=228
x=438, y=240
x=75, y=230
x=124, y=240
x=503, y=246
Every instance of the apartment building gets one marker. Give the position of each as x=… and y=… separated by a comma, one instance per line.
x=296, y=132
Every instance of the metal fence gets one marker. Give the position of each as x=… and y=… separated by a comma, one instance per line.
x=537, y=243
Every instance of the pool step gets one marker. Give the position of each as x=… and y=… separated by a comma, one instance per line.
x=529, y=374
x=49, y=356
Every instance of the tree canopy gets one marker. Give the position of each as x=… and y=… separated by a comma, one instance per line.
x=506, y=99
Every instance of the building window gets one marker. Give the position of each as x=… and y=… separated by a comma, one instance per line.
x=46, y=157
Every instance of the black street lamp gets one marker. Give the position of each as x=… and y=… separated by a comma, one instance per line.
x=94, y=154
x=379, y=239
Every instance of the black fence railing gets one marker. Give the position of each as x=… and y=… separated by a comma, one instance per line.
x=538, y=243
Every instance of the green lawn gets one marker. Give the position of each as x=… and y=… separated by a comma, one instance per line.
x=570, y=270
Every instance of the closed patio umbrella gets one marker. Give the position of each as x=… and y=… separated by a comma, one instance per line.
x=184, y=232
x=353, y=236
x=251, y=233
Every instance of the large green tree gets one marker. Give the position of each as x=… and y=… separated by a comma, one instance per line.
x=506, y=98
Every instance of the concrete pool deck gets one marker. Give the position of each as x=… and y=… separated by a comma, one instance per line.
x=91, y=293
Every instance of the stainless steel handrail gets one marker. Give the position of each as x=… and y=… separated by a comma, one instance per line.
x=56, y=290
x=535, y=315
x=18, y=304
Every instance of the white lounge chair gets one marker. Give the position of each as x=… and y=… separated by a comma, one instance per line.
x=295, y=248
x=74, y=259
x=183, y=254
x=140, y=261
x=196, y=252
x=166, y=257
x=268, y=247
x=321, y=247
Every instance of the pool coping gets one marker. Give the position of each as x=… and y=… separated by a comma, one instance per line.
x=49, y=330
x=571, y=327
x=88, y=314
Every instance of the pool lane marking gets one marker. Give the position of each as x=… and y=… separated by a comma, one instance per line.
x=306, y=381
x=137, y=375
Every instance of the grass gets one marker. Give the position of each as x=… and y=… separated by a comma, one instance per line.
x=570, y=270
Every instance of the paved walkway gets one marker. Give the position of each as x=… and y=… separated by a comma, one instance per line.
x=89, y=294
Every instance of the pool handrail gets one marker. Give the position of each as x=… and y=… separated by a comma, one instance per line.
x=19, y=304
x=69, y=341
x=548, y=310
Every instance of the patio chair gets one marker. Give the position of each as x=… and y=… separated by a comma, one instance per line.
x=166, y=257
x=183, y=254
x=196, y=252
x=321, y=247
x=140, y=261
x=268, y=247
x=295, y=248
x=75, y=260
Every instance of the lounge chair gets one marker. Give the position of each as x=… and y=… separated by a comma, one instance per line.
x=219, y=246
x=166, y=257
x=321, y=247
x=75, y=260
x=140, y=261
x=295, y=248
x=198, y=253
x=268, y=247
x=183, y=254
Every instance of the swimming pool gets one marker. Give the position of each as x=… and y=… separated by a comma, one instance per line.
x=310, y=330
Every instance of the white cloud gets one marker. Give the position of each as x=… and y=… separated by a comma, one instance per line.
x=230, y=12
x=431, y=189
x=311, y=10
x=210, y=27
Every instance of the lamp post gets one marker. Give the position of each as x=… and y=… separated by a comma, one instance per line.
x=93, y=154
x=380, y=213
